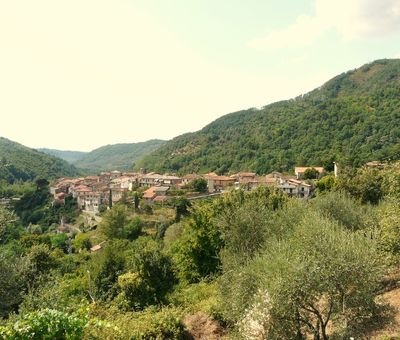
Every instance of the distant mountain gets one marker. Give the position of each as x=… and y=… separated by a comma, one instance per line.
x=18, y=162
x=69, y=156
x=353, y=118
x=117, y=156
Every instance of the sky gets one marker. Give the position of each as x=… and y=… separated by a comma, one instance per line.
x=79, y=74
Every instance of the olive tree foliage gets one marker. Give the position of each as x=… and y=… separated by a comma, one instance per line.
x=103, y=272
x=364, y=184
x=149, y=275
x=389, y=226
x=245, y=221
x=344, y=209
x=12, y=282
x=195, y=252
x=8, y=224
x=320, y=274
x=114, y=221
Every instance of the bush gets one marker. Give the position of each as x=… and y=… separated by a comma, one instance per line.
x=133, y=229
x=152, y=323
x=46, y=324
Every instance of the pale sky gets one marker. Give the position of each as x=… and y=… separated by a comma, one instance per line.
x=79, y=74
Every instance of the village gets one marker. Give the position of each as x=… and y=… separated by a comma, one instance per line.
x=94, y=192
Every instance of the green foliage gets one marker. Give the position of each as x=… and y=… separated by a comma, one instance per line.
x=149, y=278
x=245, y=221
x=21, y=163
x=326, y=183
x=157, y=324
x=133, y=229
x=319, y=273
x=389, y=226
x=69, y=156
x=46, y=324
x=103, y=272
x=199, y=185
x=117, y=156
x=352, y=119
x=364, y=184
x=8, y=225
x=40, y=261
x=81, y=242
x=36, y=207
x=311, y=173
x=195, y=252
x=16, y=189
x=344, y=209
x=12, y=282
x=60, y=241
x=114, y=221
x=182, y=205
x=147, y=209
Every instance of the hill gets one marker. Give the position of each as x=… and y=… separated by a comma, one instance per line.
x=18, y=162
x=353, y=118
x=117, y=156
x=69, y=156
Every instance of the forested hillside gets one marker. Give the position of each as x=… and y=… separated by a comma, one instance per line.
x=18, y=162
x=69, y=156
x=117, y=156
x=353, y=118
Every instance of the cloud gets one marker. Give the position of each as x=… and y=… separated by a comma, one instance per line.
x=352, y=20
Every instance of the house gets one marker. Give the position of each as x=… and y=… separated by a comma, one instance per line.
x=153, y=179
x=294, y=187
x=244, y=177
x=189, y=178
x=300, y=170
x=152, y=193
x=217, y=183
x=149, y=195
x=123, y=182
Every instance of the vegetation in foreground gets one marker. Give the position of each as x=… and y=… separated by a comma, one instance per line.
x=249, y=265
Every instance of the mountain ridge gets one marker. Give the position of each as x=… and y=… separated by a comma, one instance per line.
x=121, y=156
x=19, y=162
x=352, y=118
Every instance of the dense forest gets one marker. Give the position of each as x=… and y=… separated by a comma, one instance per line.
x=245, y=265
x=352, y=119
x=20, y=163
x=69, y=156
x=116, y=156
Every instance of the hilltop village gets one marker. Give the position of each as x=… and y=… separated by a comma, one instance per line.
x=93, y=192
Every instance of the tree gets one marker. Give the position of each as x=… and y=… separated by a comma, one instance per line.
x=195, y=253
x=150, y=274
x=104, y=270
x=320, y=273
x=81, y=241
x=182, y=205
x=136, y=200
x=199, y=185
x=389, y=226
x=8, y=225
x=110, y=202
x=311, y=173
x=41, y=183
x=114, y=221
x=326, y=183
x=12, y=282
x=133, y=229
